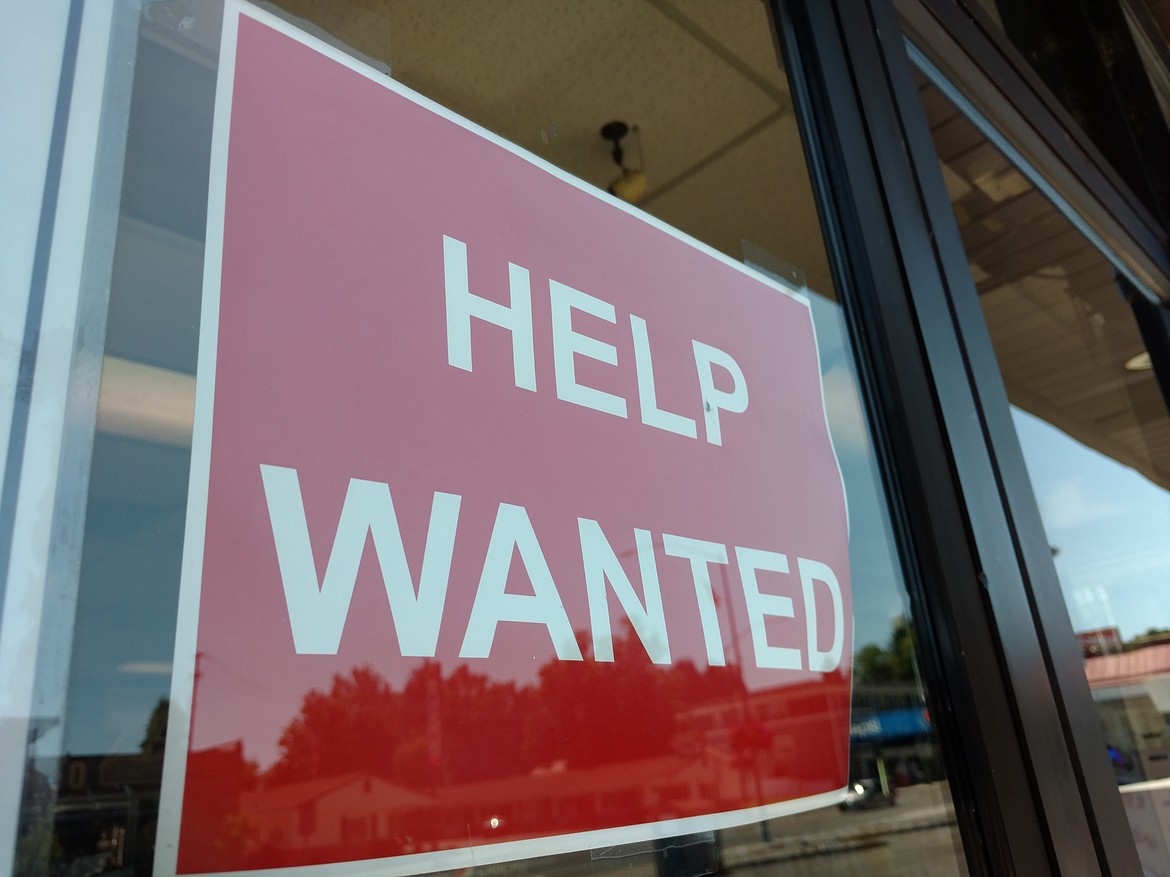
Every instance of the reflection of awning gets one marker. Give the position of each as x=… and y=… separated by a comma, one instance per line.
x=1128, y=668
x=1061, y=327
x=890, y=724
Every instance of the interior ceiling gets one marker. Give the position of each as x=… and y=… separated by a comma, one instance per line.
x=702, y=82
x=1061, y=328
x=700, y=79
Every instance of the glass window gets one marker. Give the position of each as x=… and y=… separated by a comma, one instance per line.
x=1093, y=425
x=681, y=110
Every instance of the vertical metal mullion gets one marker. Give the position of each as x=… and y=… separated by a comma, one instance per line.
x=1096, y=812
x=1015, y=779
x=1090, y=824
x=856, y=228
x=940, y=292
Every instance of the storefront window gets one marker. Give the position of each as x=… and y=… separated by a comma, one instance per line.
x=555, y=736
x=1093, y=425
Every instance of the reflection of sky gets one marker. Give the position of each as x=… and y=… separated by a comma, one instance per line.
x=125, y=629
x=1109, y=526
x=878, y=594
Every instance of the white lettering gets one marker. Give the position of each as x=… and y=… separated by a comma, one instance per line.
x=600, y=564
x=567, y=344
x=513, y=532
x=317, y=611
x=701, y=554
x=462, y=305
x=814, y=571
x=751, y=561
x=318, y=608
x=715, y=399
x=652, y=415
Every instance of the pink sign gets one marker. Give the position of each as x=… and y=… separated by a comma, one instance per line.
x=515, y=527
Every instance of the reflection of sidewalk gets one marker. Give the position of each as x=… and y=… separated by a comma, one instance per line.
x=829, y=830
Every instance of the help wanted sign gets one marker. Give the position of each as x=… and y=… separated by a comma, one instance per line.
x=514, y=526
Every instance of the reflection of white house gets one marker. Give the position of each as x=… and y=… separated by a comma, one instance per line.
x=560, y=797
x=350, y=809
x=783, y=722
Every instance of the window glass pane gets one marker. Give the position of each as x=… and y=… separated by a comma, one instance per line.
x=1093, y=426
x=385, y=757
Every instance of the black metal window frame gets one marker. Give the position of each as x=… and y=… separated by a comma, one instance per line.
x=1021, y=736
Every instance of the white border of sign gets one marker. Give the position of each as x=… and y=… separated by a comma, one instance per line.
x=183, y=679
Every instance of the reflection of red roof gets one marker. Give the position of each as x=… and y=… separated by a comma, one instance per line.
x=1129, y=667
x=294, y=794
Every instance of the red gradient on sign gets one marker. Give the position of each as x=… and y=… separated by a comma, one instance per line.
x=332, y=360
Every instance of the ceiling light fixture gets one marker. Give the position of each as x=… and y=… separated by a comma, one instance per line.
x=631, y=185
x=1139, y=363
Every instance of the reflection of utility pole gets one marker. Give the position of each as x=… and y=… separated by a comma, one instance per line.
x=731, y=619
x=433, y=703
x=194, y=695
x=745, y=713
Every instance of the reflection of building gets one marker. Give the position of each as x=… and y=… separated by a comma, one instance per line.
x=325, y=815
x=631, y=792
x=107, y=810
x=1132, y=693
x=328, y=814
x=1102, y=641
x=891, y=737
x=759, y=732
x=726, y=753
x=723, y=752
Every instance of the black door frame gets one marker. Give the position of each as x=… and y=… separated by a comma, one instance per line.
x=1024, y=747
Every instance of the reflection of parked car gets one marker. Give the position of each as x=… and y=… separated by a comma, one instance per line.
x=864, y=794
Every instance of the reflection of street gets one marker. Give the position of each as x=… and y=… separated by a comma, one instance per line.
x=916, y=836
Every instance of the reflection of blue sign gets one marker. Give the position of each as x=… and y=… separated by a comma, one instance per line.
x=890, y=724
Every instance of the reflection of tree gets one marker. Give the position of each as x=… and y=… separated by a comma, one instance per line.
x=878, y=665
x=154, y=738
x=333, y=730
x=466, y=727
x=216, y=775
x=451, y=756
x=1154, y=636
